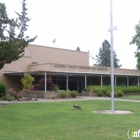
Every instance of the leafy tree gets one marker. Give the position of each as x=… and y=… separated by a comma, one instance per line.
x=49, y=84
x=104, y=56
x=27, y=81
x=78, y=49
x=12, y=35
x=136, y=40
x=2, y=89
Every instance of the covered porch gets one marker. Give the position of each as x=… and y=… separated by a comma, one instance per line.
x=78, y=81
x=76, y=77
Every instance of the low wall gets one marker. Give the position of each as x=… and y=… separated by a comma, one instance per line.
x=133, y=93
x=89, y=93
x=43, y=95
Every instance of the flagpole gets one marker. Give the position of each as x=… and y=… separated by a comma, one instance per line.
x=112, y=58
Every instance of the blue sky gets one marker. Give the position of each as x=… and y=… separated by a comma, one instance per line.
x=82, y=23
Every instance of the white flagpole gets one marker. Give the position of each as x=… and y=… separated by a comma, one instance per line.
x=112, y=58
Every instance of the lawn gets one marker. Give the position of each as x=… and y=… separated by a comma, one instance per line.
x=133, y=97
x=59, y=121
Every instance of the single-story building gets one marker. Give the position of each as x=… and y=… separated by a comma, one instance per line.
x=69, y=69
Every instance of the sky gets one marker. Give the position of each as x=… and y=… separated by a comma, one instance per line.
x=82, y=23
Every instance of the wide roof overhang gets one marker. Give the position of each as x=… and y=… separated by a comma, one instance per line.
x=62, y=73
x=65, y=69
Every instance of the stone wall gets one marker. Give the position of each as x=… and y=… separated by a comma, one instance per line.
x=43, y=95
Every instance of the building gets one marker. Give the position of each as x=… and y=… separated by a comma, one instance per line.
x=69, y=69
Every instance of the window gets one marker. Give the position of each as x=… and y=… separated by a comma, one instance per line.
x=26, y=52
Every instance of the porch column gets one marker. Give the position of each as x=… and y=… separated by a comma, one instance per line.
x=101, y=80
x=115, y=80
x=45, y=81
x=138, y=81
x=67, y=82
x=85, y=81
x=127, y=81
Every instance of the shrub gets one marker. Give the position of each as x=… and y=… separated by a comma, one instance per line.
x=2, y=89
x=88, y=88
x=120, y=93
x=68, y=93
x=63, y=94
x=104, y=89
x=125, y=89
x=108, y=93
x=73, y=93
x=129, y=89
x=27, y=81
x=14, y=94
x=56, y=87
x=41, y=84
x=50, y=85
x=35, y=87
x=115, y=93
x=99, y=93
x=7, y=97
x=96, y=88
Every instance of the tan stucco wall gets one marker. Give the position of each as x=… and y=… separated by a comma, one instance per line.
x=14, y=81
x=41, y=54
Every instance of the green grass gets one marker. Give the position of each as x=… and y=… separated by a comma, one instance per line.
x=59, y=121
x=133, y=97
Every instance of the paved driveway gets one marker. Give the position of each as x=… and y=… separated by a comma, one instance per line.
x=78, y=98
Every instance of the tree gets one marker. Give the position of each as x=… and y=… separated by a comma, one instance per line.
x=78, y=49
x=104, y=56
x=12, y=35
x=41, y=84
x=27, y=81
x=136, y=40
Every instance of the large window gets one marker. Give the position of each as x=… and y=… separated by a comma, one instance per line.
x=26, y=52
x=121, y=81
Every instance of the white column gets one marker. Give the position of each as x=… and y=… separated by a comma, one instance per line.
x=85, y=81
x=127, y=81
x=67, y=82
x=45, y=82
x=101, y=80
x=138, y=81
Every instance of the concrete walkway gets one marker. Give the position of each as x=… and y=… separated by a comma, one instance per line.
x=78, y=98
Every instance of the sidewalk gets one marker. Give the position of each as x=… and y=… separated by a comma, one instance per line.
x=78, y=98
